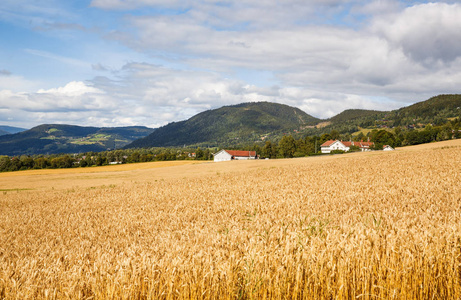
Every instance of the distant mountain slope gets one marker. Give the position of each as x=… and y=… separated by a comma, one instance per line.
x=434, y=110
x=10, y=130
x=54, y=138
x=235, y=125
x=228, y=124
x=352, y=114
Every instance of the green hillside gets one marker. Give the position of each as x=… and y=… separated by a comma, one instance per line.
x=230, y=126
x=436, y=110
x=252, y=122
x=247, y=122
x=354, y=114
x=10, y=130
x=56, y=138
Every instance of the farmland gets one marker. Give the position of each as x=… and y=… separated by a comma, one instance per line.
x=362, y=225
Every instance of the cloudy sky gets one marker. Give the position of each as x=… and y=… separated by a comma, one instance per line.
x=150, y=62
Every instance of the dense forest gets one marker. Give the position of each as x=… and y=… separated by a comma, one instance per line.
x=286, y=147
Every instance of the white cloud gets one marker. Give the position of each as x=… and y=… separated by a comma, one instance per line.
x=5, y=73
x=16, y=83
x=25, y=13
x=364, y=61
x=133, y=4
x=427, y=33
x=72, y=89
x=99, y=67
x=59, y=58
x=151, y=95
x=165, y=94
x=378, y=7
x=321, y=56
x=75, y=101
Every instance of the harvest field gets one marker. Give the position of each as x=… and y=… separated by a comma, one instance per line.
x=356, y=226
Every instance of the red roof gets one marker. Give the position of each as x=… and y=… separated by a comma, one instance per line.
x=328, y=143
x=241, y=153
x=358, y=144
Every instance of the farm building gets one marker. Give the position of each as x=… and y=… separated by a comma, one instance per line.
x=387, y=148
x=225, y=155
x=331, y=145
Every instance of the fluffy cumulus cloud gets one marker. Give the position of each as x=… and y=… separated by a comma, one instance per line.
x=164, y=94
x=74, y=102
x=184, y=57
x=426, y=33
x=395, y=45
x=395, y=54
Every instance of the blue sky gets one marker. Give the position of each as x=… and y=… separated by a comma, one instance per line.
x=150, y=62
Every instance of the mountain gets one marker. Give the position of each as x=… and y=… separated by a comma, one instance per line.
x=234, y=125
x=435, y=110
x=10, y=130
x=353, y=114
x=56, y=138
x=228, y=125
x=250, y=122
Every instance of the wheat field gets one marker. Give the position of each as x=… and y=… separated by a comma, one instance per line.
x=378, y=225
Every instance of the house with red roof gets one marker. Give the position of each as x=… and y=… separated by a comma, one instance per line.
x=387, y=148
x=332, y=145
x=226, y=155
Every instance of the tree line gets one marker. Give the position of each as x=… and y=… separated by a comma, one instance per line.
x=89, y=159
x=289, y=146
x=286, y=147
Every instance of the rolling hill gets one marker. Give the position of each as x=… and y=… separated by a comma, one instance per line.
x=250, y=122
x=229, y=124
x=55, y=138
x=234, y=125
x=353, y=114
x=10, y=130
x=436, y=110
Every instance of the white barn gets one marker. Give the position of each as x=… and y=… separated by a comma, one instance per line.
x=226, y=155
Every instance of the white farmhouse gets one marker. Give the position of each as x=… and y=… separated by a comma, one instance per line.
x=226, y=155
x=331, y=145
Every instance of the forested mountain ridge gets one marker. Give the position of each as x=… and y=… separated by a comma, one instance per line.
x=436, y=110
x=353, y=114
x=57, y=138
x=251, y=122
x=230, y=125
